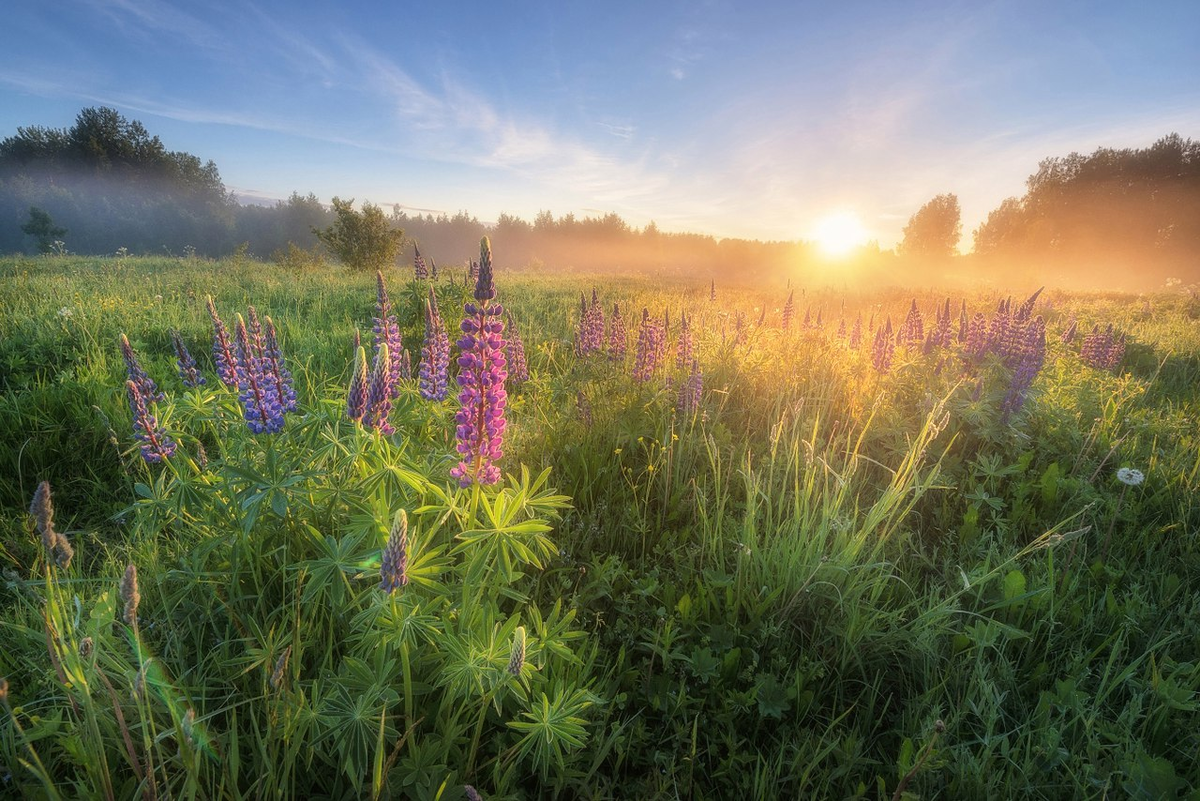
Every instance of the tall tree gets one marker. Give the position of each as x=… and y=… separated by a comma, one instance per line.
x=934, y=231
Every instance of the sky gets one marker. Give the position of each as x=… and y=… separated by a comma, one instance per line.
x=755, y=120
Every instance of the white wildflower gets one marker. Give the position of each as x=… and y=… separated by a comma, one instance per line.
x=1127, y=475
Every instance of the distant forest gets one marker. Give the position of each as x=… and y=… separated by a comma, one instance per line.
x=1123, y=218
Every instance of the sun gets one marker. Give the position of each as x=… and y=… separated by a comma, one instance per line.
x=840, y=233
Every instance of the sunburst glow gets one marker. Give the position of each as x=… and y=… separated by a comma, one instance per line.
x=838, y=234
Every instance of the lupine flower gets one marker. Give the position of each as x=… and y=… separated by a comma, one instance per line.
x=518, y=367
x=977, y=338
x=55, y=543
x=789, y=309
x=393, y=570
x=807, y=318
x=255, y=331
x=356, y=398
x=405, y=364
x=646, y=357
x=685, y=348
x=820, y=321
x=281, y=377
x=1029, y=363
x=130, y=595
x=841, y=329
x=690, y=390
x=617, y=339
x=472, y=271
x=156, y=445
x=419, y=270
x=1102, y=349
x=1025, y=310
x=963, y=323
x=280, y=667
x=913, y=328
x=188, y=370
x=885, y=345
x=137, y=375
x=387, y=329
x=222, y=349
x=855, y=341
x=1068, y=336
x=256, y=390
x=471, y=793
x=590, y=331
x=379, y=394
x=435, y=354
x=712, y=290
x=432, y=269
x=516, y=662
x=480, y=418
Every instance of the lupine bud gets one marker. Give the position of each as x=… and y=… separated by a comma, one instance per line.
x=516, y=662
x=617, y=337
x=387, y=329
x=789, y=309
x=435, y=354
x=280, y=667
x=480, y=418
x=130, y=595
x=356, y=398
x=188, y=370
x=420, y=272
x=137, y=375
x=379, y=394
x=155, y=444
x=222, y=349
x=393, y=570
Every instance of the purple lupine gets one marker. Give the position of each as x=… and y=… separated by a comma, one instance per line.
x=472, y=271
x=617, y=338
x=222, y=349
x=646, y=357
x=260, y=400
x=977, y=338
x=281, y=377
x=807, y=324
x=855, y=341
x=943, y=336
x=685, y=348
x=188, y=370
x=356, y=398
x=255, y=331
x=137, y=375
x=435, y=354
x=820, y=321
x=885, y=346
x=1033, y=356
x=518, y=367
x=1068, y=336
x=387, y=329
x=1102, y=349
x=405, y=365
x=432, y=269
x=841, y=329
x=420, y=271
x=393, y=568
x=591, y=325
x=480, y=418
x=912, y=330
x=789, y=309
x=1025, y=310
x=963, y=322
x=690, y=390
x=379, y=394
x=155, y=444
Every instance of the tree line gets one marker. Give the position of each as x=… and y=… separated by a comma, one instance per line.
x=106, y=183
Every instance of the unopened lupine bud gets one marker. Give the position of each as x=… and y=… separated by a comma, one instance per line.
x=280, y=667
x=516, y=662
x=393, y=569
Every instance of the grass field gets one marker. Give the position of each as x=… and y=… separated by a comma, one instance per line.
x=841, y=573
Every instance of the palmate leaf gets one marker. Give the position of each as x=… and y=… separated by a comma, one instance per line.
x=552, y=726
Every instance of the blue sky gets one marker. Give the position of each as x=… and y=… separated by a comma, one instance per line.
x=737, y=119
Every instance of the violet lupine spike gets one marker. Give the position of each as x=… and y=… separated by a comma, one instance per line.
x=646, y=357
x=156, y=446
x=222, y=349
x=281, y=377
x=1068, y=336
x=480, y=418
x=387, y=329
x=820, y=321
x=254, y=328
x=379, y=393
x=789, y=309
x=807, y=318
x=189, y=371
x=356, y=398
x=712, y=290
x=260, y=401
x=393, y=568
x=855, y=341
x=136, y=374
x=963, y=322
x=690, y=390
x=1025, y=310
x=420, y=271
x=617, y=338
x=405, y=365
x=841, y=329
x=472, y=271
x=434, y=369
x=518, y=366
x=912, y=330
x=977, y=338
x=1033, y=356
x=885, y=345
x=432, y=269
x=685, y=349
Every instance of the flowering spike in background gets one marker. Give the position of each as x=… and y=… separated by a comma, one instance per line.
x=379, y=394
x=481, y=415
x=356, y=398
x=518, y=366
x=281, y=377
x=433, y=371
x=155, y=445
x=222, y=349
x=617, y=338
x=137, y=375
x=189, y=372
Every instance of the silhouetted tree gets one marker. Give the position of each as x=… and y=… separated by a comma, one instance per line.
x=42, y=228
x=362, y=240
x=934, y=230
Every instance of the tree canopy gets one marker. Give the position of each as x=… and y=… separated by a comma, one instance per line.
x=934, y=231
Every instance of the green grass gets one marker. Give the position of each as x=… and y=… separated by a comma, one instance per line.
x=826, y=583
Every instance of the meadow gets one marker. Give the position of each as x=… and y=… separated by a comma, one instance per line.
x=767, y=542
